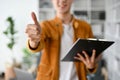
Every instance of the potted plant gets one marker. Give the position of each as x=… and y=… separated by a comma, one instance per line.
x=27, y=58
x=29, y=62
x=10, y=34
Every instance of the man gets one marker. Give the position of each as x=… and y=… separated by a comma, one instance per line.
x=54, y=37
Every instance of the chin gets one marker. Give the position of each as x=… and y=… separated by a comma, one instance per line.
x=63, y=11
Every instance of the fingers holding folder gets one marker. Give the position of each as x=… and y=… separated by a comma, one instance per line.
x=90, y=62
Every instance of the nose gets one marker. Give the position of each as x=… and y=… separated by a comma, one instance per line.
x=63, y=1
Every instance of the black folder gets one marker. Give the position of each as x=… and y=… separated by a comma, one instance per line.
x=87, y=45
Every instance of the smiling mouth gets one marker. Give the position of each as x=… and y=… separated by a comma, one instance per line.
x=63, y=6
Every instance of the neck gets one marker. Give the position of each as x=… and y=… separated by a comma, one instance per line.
x=66, y=18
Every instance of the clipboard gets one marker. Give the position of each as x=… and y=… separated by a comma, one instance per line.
x=87, y=45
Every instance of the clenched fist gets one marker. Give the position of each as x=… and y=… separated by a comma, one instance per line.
x=33, y=32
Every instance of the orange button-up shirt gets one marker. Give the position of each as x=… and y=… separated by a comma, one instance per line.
x=51, y=32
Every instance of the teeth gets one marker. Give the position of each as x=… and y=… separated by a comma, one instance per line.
x=62, y=6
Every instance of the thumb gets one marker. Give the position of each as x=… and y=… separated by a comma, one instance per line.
x=34, y=18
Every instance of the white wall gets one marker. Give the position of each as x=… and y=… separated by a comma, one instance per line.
x=20, y=10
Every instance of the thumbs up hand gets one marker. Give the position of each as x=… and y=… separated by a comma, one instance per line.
x=33, y=32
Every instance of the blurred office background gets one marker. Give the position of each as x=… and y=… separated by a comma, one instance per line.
x=103, y=15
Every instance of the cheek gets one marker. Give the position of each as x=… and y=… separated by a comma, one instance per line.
x=55, y=4
x=70, y=2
